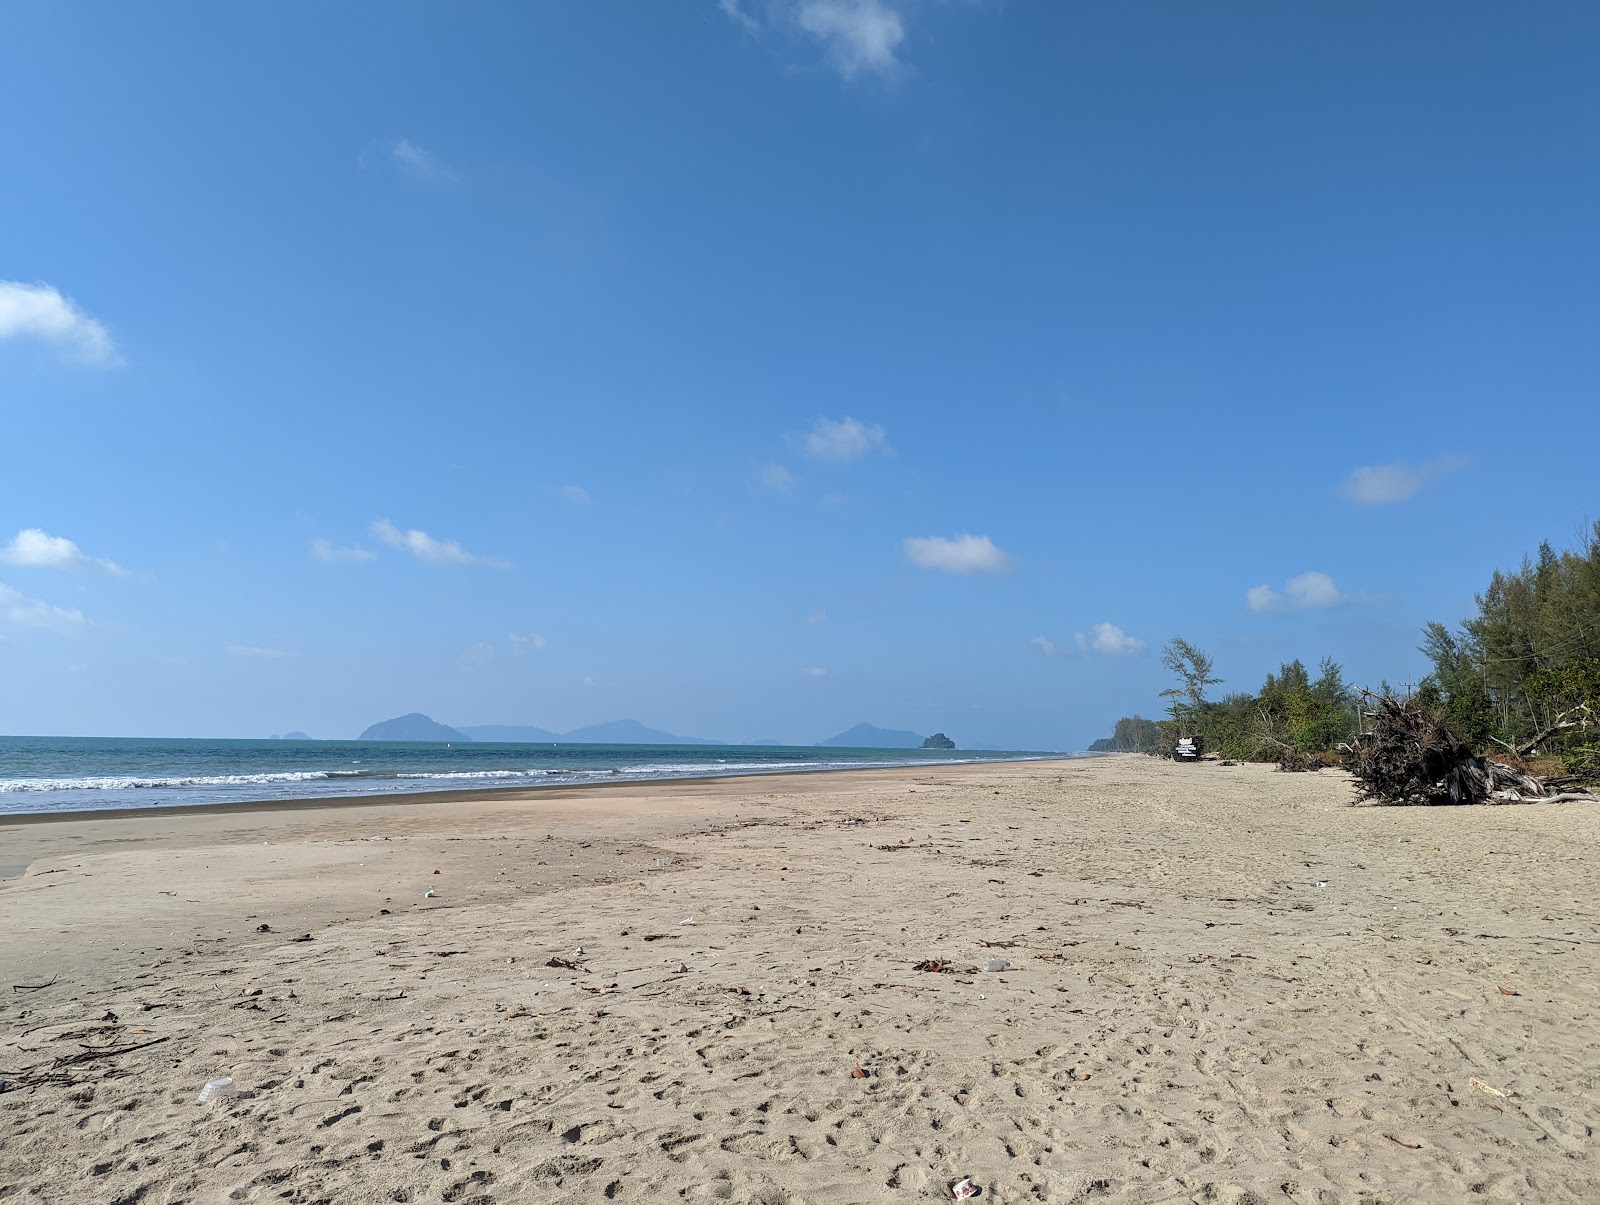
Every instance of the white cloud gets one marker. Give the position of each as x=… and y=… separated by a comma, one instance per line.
x=859, y=35
x=575, y=494
x=425, y=548
x=738, y=16
x=34, y=613
x=1386, y=484
x=1307, y=592
x=521, y=645
x=251, y=650
x=814, y=671
x=324, y=551
x=587, y=681
x=1109, y=638
x=776, y=477
x=38, y=311
x=37, y=548
x=422, y=164
x=1045, y=645
x=846, y=439
x=816, y=617
x=964, y=554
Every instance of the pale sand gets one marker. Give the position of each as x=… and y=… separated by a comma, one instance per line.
x=1191, y=1018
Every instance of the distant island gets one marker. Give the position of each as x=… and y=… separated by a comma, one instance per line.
x=509, y=734
x=412, y=727
x=938, y=741
x=290, y=736
x=418, y=727
x=865, y=736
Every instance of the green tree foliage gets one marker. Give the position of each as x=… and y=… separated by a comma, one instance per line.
x=1291, y=709
x=1135, y=734
x=1531, y=652
x=1193, y=668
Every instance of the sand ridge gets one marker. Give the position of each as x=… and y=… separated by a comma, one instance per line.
x=1191, y=1017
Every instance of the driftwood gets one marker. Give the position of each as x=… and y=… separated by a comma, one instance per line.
x=1580, y=716
x=1411, y=757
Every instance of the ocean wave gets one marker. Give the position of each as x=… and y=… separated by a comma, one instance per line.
x=133, y=784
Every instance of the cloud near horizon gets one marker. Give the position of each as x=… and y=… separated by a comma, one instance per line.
x=428, y=549
x=1386, y=484
x=1045, y=645
x=965, y=554
x=34, y=547
x=39, y=311
x=1309, y=591
x=522, y=645
x=814, y=671
x=17, y=608
x=845, y=440
x=1109, y=638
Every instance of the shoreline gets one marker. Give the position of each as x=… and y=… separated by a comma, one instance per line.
x=480, y=794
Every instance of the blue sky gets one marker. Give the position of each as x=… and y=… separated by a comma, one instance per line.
x=753, y=369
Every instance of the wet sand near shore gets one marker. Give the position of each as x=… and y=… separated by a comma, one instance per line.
x=1226, y=985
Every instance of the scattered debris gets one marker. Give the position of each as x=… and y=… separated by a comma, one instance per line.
x=567, y=965
x=935, y=966
x=859, y=1072
x=1483, y=1087
x=997, y=945
x=303, y=937
x=964, y=1188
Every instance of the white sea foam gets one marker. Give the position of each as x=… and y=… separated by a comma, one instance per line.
x=128, y=784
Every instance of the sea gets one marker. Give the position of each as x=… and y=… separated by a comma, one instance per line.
x=73, y=774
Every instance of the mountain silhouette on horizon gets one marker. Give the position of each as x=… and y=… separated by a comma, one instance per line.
x=866, y=736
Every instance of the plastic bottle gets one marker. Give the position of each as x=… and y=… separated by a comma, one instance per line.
x=997, y=964
x=220, y=1086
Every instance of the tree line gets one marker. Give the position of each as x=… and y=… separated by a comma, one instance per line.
x=1522, y=674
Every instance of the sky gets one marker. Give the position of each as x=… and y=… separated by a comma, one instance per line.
x=757, y=368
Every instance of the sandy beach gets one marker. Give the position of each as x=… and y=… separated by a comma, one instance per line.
x=1227, y=985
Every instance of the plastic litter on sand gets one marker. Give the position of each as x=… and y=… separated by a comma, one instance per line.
x=688, y=920
x=997, y=964
x=964, y=1188
x=215, y=1087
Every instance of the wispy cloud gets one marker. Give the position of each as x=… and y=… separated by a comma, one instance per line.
x=859, y=36
x=575, y=494
x=964, y=554
x=35, y=613
x=325, y=551
x=428, y=549
x=523, y=645
x=39, y=311
x=420, y=163
x=739, y=17
x=846, y=439
x=776, y=477
x=37, y=548
x=817, y=617
x=1310, y=591
x=254, y=650
x=1045, y=645
x=481, y=653
x=1108, y=638
x=814, y=671
x=1386, y=484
